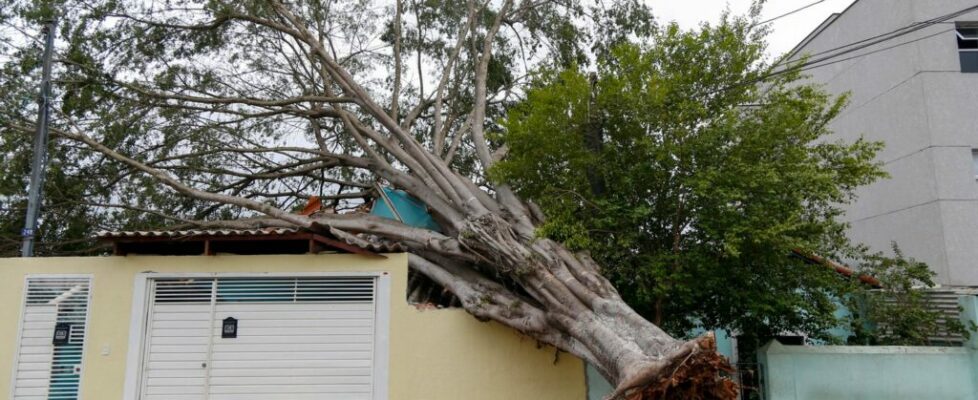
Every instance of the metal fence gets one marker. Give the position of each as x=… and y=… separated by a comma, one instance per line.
x=750, y=377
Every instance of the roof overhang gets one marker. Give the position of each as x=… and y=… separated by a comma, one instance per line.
x=239, y=241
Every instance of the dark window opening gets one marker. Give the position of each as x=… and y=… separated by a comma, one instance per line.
x=967, y=35
x=969, y=61
x=790, y=340
x=424, y=293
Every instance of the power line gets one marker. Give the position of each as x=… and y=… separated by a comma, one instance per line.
x=767, y=21
x=877, y=50
x=902, y=31
x=862, y=44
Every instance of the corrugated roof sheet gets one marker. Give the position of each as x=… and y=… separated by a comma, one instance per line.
x=363, y=241
x=196, y=232
x=373, y=243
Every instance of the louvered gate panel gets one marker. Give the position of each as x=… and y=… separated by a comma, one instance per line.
x=944, y=302
x=177, y=340
x=297, y=338
x=45, y=370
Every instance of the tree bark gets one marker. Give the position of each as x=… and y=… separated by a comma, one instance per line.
x=565, y=301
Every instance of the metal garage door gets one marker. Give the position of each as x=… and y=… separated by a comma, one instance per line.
x=52, y=337
x=295, y=339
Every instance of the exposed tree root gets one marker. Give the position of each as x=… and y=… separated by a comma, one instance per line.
x=695, y=372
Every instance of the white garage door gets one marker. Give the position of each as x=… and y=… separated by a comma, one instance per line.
x=296, y=339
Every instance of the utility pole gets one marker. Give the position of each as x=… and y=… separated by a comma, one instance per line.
x=39, y=162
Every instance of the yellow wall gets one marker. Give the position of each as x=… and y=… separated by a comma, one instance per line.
x=434, y=354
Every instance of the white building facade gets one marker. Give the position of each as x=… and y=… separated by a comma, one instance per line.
x=917, y=91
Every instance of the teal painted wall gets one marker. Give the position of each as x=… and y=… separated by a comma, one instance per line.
x=969, y=316
x=842, y=314
x=725, y=343
x=871, y=373
x=868, y=373
x=597, y=386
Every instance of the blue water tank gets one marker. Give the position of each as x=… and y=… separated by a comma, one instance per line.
x=412, y=211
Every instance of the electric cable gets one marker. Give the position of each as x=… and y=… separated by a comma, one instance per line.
x=859, y=45
x=868, y=42
x=797, y=10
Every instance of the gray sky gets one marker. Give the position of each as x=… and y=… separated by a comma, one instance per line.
x=787, y=31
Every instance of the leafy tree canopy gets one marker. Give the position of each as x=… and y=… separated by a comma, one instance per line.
x=132, y=74
x=691, y=183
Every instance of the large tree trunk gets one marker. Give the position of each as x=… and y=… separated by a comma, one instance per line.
x=566, y=302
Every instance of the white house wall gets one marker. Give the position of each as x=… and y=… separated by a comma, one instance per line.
x=434, y=354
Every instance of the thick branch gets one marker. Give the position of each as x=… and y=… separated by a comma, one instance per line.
x=478, y=117
x=396, y=92
x=464, y=29
x=413, y=237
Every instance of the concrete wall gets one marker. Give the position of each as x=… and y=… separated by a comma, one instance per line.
x=871, y=373
x=914, y=98
x=868, y=373
x=434, y=354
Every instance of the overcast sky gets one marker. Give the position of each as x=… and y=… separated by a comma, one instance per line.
x=787, y=31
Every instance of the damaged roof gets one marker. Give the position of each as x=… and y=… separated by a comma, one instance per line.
x=422, y=291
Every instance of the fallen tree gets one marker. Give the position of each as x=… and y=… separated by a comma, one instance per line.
x=249, y=105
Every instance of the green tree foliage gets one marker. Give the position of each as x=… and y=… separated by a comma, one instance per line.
x=900, y=313
x=112, y=56
x=85, y=192
x=692, y=183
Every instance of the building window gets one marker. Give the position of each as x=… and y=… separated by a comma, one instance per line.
x=968, y=46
